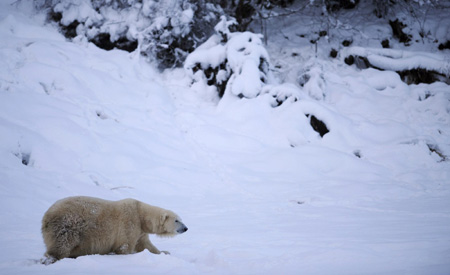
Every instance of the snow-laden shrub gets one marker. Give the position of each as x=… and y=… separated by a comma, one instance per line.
x=165, y=31
x=234, y=62
x=246, y=11
x=413, y=67
x=312, y=80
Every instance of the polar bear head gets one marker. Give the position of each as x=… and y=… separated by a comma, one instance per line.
x=171, y=225
x=159, y=221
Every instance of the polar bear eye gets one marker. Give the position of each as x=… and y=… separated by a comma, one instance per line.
x=177, y=221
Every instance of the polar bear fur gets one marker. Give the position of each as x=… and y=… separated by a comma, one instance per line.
x=77, y=226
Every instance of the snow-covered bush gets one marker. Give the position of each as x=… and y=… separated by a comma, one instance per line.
x=413, y=67
x=234, y=62
x=165, y=31
x=245, y=11
x=410, y=20
x=312, y=79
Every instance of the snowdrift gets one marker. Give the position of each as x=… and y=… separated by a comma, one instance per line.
x=259, y=188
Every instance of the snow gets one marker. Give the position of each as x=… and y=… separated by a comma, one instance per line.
x=211, y=53
x=77, y=10
x=399, y=60
x=259, y=189
x=244, y=61
x=244, y=55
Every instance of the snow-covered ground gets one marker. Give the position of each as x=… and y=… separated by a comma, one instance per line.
x=259, y=189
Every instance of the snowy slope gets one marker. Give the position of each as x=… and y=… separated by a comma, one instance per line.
x=261, y=192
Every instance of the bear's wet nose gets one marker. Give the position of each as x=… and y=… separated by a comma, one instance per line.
x=182, y=230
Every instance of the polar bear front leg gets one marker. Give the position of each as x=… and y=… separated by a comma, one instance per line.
x=145, y=243
x=123, y=249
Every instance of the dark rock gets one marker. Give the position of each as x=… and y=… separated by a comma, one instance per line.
x=397, y=29
x=333, y=53
x=349, y=60
x=444, y=46
x=318, y=125
x=416, y=76
x=347, y=43
x=323, y=33
x=336, y=5
x=103, y=41
x=361, y=62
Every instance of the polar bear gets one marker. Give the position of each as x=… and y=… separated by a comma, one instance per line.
x=77, y=226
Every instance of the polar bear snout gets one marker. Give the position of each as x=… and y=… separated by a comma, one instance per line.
x=181, y=228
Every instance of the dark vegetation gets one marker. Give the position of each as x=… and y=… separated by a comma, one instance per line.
x=170, y=42
x=397, y=30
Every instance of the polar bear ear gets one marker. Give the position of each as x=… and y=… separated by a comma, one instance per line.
x=164, y=217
